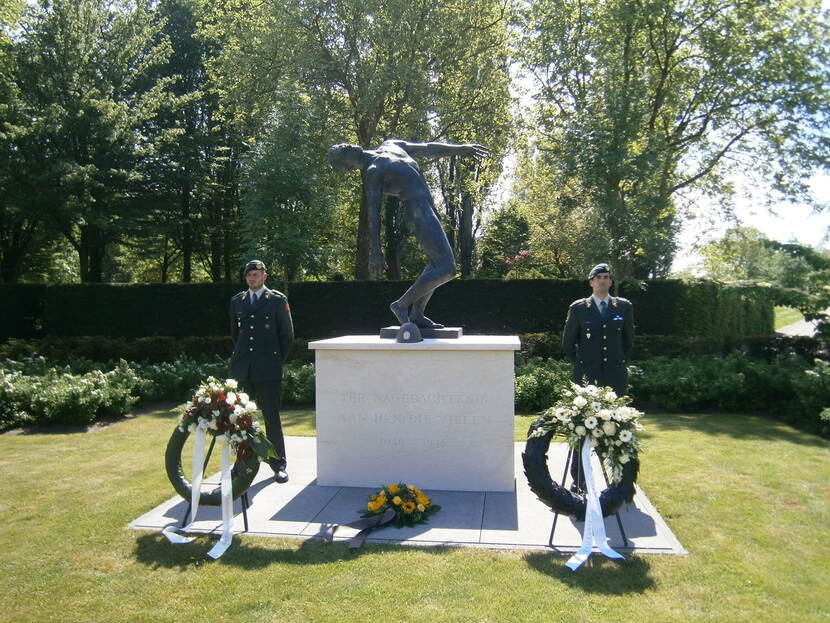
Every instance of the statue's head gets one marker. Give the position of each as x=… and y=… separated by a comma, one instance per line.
x=345, y=156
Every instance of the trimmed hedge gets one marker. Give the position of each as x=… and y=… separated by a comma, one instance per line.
x=161, y=349
x=767, y=347
x=325, y=309
x=22, y=314
x=156, y=349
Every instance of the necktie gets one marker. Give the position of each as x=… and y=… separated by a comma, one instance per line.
x=253, y=299
x=602, y=307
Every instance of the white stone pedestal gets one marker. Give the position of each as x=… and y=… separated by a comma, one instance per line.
x=437, y=414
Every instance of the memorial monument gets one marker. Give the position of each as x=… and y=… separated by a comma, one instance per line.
x=424, y=408
x=391, y=169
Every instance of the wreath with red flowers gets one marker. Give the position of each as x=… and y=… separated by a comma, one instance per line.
x=219, y=409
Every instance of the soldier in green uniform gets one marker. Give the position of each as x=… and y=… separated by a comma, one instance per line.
x=599, y=334
x=262, y=333
x=598, y=338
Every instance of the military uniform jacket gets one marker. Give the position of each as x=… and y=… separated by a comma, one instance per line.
x=600, y=346
x=262, y=335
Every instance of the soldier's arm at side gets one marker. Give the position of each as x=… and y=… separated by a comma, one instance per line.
x=286, y=328
x=628, y=332
x=234, y=325
x=569, y=335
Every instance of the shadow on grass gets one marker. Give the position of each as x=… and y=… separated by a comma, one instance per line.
x=71, y=429
x=736, y=426
x=155, y=551
x=598, y=574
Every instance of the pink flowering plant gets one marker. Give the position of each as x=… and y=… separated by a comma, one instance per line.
x=599, y=413
x=218, y=408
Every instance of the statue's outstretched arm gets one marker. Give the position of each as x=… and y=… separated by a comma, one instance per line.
x=437, y=150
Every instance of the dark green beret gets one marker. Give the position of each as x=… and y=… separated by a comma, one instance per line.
x=253, y=265
x=598, y=269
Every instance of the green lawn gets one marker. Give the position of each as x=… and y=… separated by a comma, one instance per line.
x=785, y=316
x=746, y=496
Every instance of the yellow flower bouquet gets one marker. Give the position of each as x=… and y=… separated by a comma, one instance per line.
x=410, y=504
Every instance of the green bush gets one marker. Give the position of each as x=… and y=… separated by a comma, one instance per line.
x=101, y=348
x=546, y=345
x=539, y=383
x=32, y=391
x=176, y=380
x=59, y=397
x=649, y=346
x=787, y=387
x=298, y=384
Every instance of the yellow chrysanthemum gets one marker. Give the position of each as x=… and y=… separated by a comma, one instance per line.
x=422, y=499
x=421, y=507
x=373, y=505
x=396, y=500
x=408, y=507
x=393, y=488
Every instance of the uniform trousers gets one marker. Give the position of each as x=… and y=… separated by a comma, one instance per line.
x=267, y=397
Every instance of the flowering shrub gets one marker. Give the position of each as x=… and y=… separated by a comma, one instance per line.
x=172, y=380
x=411, y=505
x=598, y=413
x=33, y=391
x=58, y=397
x=539, y=383
x=220, y=410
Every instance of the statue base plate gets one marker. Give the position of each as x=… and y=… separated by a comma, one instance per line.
x=452, y=333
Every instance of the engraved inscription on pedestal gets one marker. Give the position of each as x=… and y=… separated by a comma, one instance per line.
x=441, y=419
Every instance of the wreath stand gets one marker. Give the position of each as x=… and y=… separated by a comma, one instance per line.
x=573, y=455
x=242, y=498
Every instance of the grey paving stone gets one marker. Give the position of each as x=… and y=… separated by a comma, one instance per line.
x=516, y=519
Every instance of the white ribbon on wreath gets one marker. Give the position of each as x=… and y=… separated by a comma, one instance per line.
x=226, y=487
x=594, y=529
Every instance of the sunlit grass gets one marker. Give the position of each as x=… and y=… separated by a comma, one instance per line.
x=746, y=496
x=785, y=316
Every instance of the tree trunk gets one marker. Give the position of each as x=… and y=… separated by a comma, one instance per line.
x=186, y=233
x=466, y=239
x=91, y=253
x=451, y=203
x=14, y=243
x=361, y=264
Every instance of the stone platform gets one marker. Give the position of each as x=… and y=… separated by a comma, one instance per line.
x=496, y=520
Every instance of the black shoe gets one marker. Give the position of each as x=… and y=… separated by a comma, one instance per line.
x=280, y=475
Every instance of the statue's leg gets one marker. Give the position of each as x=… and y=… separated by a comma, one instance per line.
x=416, y=314
x=439, y=270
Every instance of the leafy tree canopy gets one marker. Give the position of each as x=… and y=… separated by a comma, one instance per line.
x=642, y=102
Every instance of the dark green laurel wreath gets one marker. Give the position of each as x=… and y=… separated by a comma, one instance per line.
x=243, y=472
x=560, y=499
